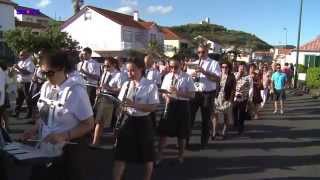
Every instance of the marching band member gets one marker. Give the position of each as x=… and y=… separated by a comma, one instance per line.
x=37, y=80
x=64, y=106
x=206, y=77
x=91, y=72
x=24, y=69
x=176, y=120
x=135, y=142
x=152, y=74
x=109, y=87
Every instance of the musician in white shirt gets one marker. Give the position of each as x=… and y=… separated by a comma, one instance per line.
x=152, y=74
x=109, y=86
x=179, y=89
x=24, y=69
x=206, y=75
x=65, y=111
x=91, y=72
x=135, y=140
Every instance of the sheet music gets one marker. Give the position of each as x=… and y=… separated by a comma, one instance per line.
x=24, y=152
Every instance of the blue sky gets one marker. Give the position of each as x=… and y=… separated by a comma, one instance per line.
x=264, y=18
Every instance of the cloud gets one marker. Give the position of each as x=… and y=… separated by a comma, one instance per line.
x=43, y=3
x=159, y=9
x=130, y=3
x=126, y=10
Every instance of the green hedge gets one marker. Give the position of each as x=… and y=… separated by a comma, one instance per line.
x=302, y=69
x=313, y=78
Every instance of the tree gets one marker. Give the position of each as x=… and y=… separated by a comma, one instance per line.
x=155, y=49
x=52, y=38
x=77, y=5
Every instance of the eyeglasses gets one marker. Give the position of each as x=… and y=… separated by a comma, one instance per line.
x=49, y=73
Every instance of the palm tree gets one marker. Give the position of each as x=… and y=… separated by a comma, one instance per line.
x=77, y=5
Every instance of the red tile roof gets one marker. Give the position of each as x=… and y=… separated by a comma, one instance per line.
x=122, y=19
x=38, y=15
x=312, y=46
x=169, y=34
x=8, y=2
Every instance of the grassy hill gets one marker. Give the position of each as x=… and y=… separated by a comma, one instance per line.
x=223, y=36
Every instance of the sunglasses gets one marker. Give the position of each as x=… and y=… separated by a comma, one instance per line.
x=49, y=73
x=224, y=67
x=201, y=52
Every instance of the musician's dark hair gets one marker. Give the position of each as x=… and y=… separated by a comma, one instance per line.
x=228, y=64
x=252, y=65
x=87, y=50
x=139, y=63
x=113, y=61
x=58, y=59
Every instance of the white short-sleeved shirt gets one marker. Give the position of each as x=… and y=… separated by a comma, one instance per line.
x=211, y=66
x=28, y=65
x=145, y=93
x=75, y=109
x=77, y=77
x=114, y=79
x=182, y=81
x=2, y=86
x=93, y=67
x=153, y=75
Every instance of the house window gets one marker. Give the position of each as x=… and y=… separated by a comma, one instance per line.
x=169, y=48
x=153, y=37
x=312, y=61
x=28, y=19
x=127, y=36
x=87, y=15
x=139, y=37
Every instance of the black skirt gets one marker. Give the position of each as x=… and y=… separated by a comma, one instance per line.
x=136, y=141
x=176, y=123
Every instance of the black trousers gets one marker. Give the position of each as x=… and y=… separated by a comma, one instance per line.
x=204, y=101
x=23, y=94
x=239, y=114
x=92, y=94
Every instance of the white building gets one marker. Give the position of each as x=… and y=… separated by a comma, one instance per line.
x=111, y=33
x=173, y=42
x=214, y=47
x=26, y=14
x=309, y=54
x=7, y=22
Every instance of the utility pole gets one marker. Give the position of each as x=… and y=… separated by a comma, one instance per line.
x=298, y=46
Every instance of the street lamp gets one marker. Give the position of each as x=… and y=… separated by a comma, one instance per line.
x=298, y=46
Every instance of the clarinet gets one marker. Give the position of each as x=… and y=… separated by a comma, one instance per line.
x=197, y=78
x=121, y=116
x=173, y=83
x=122, y=112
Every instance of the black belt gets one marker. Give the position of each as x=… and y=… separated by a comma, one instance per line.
x=207, y=92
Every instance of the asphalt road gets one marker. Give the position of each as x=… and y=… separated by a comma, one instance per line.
x=276, y=147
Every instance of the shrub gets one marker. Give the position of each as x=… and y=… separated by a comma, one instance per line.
x=302, y=68
x=313, y=78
